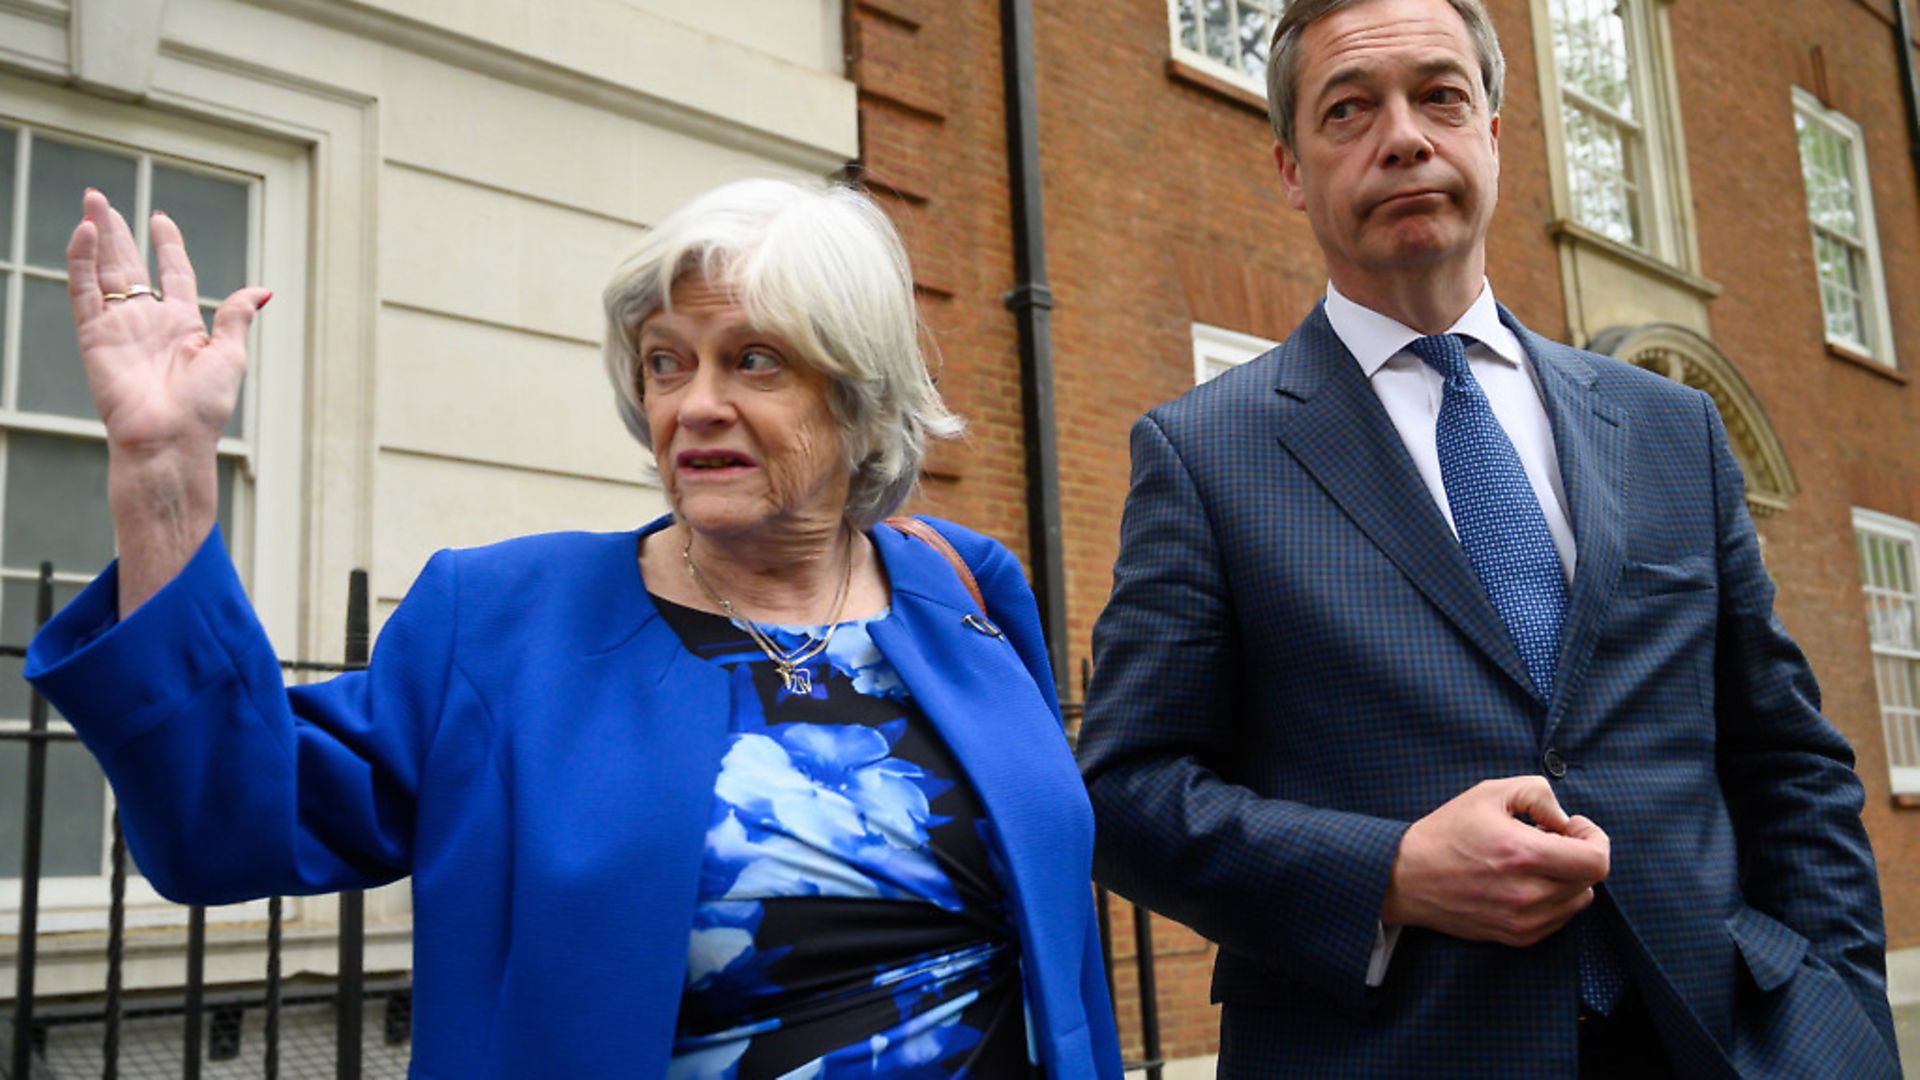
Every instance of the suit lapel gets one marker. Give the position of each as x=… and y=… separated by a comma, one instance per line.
x=1339, y=432
x=1590, y=440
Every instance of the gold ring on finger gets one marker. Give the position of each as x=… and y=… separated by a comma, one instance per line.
x=142, y=290
x=112, y=296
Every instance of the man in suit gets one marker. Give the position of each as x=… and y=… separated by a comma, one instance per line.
x=1440, y=684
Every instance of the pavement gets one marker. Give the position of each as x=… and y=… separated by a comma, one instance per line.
x=1906, y=1027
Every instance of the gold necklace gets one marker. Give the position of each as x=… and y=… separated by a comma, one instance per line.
x=796, y=679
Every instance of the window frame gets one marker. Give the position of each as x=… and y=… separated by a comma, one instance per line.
x=1201, y=61
x=1663, y=199
x=1217, y=350
x=267, y=454
x=1904, y=779
x=1638, y=174
x=1873, y=300
x=236, y=449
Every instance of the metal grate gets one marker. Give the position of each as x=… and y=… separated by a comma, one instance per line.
x=234, y=1040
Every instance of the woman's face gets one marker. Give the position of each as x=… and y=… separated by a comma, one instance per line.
x=741, y=430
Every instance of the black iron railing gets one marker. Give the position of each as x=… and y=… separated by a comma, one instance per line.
x=1151, y=1058
x=87, y=1035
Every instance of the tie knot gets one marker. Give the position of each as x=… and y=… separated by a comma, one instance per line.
x=1445, y=353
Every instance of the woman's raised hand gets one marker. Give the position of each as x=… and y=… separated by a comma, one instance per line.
x=164, y=387
x=162, y=384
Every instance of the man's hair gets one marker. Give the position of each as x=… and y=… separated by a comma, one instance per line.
x=1283, y=56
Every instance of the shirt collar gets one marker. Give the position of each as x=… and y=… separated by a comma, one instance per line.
x=1374, y=339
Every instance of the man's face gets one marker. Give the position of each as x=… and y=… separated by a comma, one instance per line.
x=1397, y=156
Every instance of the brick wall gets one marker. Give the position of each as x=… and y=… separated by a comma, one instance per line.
x=1851, y=433
x=933, y=149
x=1162, y=210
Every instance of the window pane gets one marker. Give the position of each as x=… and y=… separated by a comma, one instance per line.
x=1905, y=607
x=1189, y=24
x=9, y=149
x=224, y=515
x=1896, y=682
x=1887, y=572
x=17, y=612
x=1840, y=288
x=1590, y=51
x=1858, y=272
x=56, y=505
x=76, y=817
x=212, y=215
x=1598, y=174
x=1256, y=26
x=1893, y=608
x=52, y=379
x=1838, y=212
x=1219, y=30
x=1826, y=165
x=1837, y=209
x=59, y=175
x=1899, y=681
x=1895, y=629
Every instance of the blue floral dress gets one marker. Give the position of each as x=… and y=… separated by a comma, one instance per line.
x=850, y=922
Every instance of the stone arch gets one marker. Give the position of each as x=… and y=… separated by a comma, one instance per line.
x=1687, y=358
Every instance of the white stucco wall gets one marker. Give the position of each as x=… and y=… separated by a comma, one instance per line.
x=447, y=184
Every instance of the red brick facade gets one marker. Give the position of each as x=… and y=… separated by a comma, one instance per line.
x=1162, y=210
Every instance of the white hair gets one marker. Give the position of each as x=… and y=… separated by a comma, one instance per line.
x=822, y=267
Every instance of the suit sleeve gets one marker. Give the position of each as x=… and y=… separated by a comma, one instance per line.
x=1787, y=773
x=230, y=784
x=1294, y=888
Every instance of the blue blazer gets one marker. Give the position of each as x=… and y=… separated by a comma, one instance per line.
x=1298, y=661
x=534, y=746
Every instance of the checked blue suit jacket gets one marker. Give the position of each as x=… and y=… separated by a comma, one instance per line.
x=1297, y=662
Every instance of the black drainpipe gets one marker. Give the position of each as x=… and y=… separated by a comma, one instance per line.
x=1904, y=27
x=1031, y=303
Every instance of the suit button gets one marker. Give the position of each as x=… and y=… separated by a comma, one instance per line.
x=1553, y=763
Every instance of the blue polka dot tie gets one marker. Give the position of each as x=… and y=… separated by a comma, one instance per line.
x=1505, y=536
x=1496, y=514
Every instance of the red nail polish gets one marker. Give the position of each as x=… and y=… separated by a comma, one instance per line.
x=87, y=218
x=263, y=302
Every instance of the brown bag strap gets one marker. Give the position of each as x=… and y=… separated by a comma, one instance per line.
x=913, y=526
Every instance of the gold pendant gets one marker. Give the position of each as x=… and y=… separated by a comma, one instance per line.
x=798, y=680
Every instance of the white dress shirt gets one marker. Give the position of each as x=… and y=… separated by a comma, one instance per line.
x=1411, y=391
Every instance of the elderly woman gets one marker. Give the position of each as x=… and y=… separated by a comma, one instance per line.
x=764, y=788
